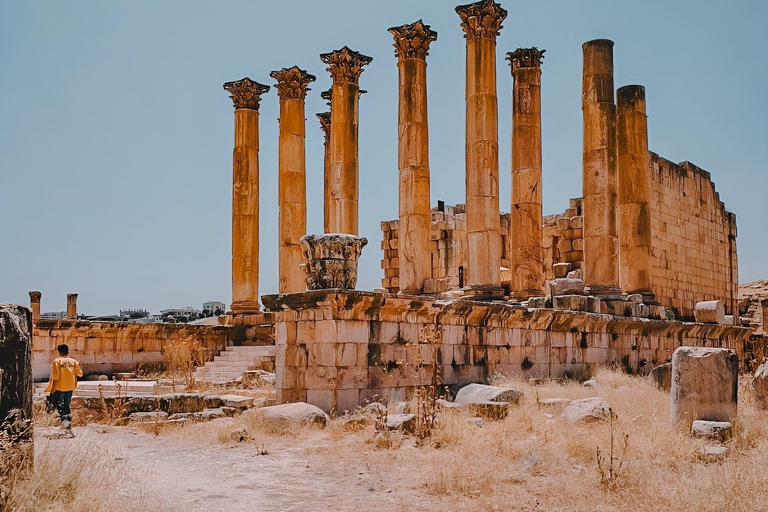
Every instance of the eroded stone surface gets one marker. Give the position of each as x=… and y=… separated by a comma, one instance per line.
x=760, y=385
x=586, y=410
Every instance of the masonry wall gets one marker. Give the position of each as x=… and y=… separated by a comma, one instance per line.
x=107, y=347
x=349, y=347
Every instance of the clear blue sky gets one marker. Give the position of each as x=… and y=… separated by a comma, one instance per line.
x=116, y=135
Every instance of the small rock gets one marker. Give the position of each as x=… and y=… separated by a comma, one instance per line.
x=357, y=423
x=760, y=385
x=476, y=422
x=591, y=383
x=587, y=409
x=481, y=394
x=239, y=435
x=299, y=412
x=403, y=422
x=662, y=376
x=713, y=453
x=721, y=430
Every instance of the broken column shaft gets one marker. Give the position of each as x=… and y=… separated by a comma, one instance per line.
x=601, y=268
x=292, y=176
x=415, y=222
x=634, y=192
x=481, y=22
x=72, y=306
x=246, y=95
x=34, y=305
x=345, y=66
x=526, y=246
x=325, y=124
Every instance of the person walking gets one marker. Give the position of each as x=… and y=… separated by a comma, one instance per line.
x=63, y=382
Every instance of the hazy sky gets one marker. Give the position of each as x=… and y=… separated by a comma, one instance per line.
x=116, y=135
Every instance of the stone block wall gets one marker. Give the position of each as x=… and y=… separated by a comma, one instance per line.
x=107, y=347
x=563, y=238
x=344, y=348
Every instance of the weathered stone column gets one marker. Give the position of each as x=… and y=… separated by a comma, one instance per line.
x=72, y=306
x=601, y=255
x=415, y=224
x=246, y=95
x=292, y=175
x=634, y=192
x=481, y=22
x=345, y=66
x=325, y=124
x=34, y=305
x=526, y=251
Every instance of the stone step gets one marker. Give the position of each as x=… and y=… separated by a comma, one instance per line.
x=220, y=375
x=263, y=350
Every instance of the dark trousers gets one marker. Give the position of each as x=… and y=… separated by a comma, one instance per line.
x=62, y=399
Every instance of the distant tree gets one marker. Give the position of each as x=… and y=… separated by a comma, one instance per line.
x=218, y=312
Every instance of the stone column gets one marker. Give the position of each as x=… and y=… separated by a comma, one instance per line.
x=292, y=175
x=72, y=306
x=325, y=124
x=415, y=225
x=601, y=255
x=345, y=66
x=526, y=251
x=34, y=305
x=246, y=95
x=634, y=192
x=481, y=22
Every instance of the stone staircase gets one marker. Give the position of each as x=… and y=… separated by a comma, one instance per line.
x=233, y=361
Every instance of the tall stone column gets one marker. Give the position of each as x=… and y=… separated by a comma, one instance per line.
x=292, y=175
x=72, y=306
x=414, y=249
x=345, y=66
x=34, y=305
x=601, y=255
x=325, y=124
x=634, y=193
x=526, y=251
x=246, y=95
x=481, y=22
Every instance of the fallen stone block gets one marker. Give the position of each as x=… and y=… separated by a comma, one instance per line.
x=561, y=269
x=721, y=430
x=539, y=302
x=236, y=401
x=567, y=286
x=481, y=394
x=554, y=403
x=490, y=410
x=662, y=376
x=709, y=312
x=570, y=303
x=148, y=417
x=587, y=410
x=450, y=406
x=207, y=415
x=705, y=385
x=760, y=385
x=405, y=423
x=299, y=412
x=256, y=378
x=713, y=453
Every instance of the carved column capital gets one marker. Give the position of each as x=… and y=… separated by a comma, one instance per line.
x=246, y=93
x=35, y=296
x=327, y=96
x=525, y=58
x=325, y=123
x=481, y=20
x=292, y=83
x=71, y=298
x=345, y=65
x=412, y=40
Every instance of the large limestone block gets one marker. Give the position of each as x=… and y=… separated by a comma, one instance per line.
x=587, y=409
x=16, y=380
x=299, y=412
x=760, y=385
x=567, y=286
x=710, y=312
x=705, y=385
x=481, y=394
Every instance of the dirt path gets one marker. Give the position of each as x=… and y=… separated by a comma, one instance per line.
x=188, y=478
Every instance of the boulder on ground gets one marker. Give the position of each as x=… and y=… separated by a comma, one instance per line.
x=705, y=385
x=721, y=430
x=481, y=394
x=662, y=376
x=760, y=385
x=587, y=409
x=402, y=422
x=299, y=412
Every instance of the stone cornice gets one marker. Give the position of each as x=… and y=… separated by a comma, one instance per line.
x=481, y=20
x=345, y=65
x=292, y=83
x=412, y=40
x=245, y=93
x=525, y=58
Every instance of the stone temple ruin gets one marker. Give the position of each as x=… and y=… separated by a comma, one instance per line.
x=468, y=291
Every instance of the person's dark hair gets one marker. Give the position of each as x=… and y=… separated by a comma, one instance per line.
x=63, y=350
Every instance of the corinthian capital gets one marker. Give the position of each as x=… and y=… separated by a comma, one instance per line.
x=345, y=65
x=292, y=83
x=327, y=95
x=481, y=20
x=525, y=58
x=325, y=123
x=412, y=41
x=35, y=296
x=246, y=93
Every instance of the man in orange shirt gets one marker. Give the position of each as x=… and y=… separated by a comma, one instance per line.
x=63, y=382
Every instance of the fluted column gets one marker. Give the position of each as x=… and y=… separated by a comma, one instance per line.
x=34, y=305
x=601, y=255
x=246, y=95
x=634, y=194
x=325, y=124
x=72, y=306
x=345, y=66
x=415, y=225
x=481, y=22
x=292, y=175
x=526, y=251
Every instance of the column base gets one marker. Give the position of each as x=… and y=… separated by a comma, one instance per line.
x=483, y=292
x=244, y=307
x=605, y=292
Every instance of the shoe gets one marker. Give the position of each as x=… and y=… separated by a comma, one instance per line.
x=66, y=425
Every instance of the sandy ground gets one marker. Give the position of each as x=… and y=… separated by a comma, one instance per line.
x=233, y=478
